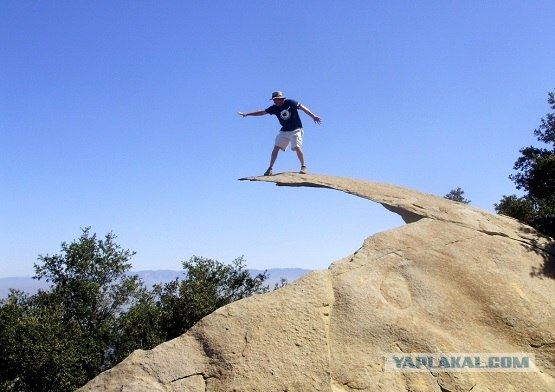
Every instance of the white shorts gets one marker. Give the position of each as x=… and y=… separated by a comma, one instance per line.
x=284, y=138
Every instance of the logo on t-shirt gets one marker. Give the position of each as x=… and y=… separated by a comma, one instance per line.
x=285, y=114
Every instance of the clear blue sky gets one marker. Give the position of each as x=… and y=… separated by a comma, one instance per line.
x=122, y=116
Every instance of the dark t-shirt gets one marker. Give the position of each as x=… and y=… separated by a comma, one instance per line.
x=287, y=115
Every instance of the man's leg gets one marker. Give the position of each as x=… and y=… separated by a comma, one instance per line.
x=296, y=143
x=273, y=158
x=300, y=155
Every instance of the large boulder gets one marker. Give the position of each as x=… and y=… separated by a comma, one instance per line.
x=454, y=279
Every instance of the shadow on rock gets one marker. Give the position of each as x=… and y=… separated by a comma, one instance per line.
x=546, y=249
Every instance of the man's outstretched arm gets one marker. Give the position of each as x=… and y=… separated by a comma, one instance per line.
x=316, y=119
x=257, y=113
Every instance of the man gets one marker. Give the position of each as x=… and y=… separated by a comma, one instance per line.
x=291, y=127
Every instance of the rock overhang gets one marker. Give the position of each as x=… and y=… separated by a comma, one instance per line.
x=413, y=206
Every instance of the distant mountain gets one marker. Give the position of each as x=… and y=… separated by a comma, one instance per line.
x=150, y=278
x=25, y=284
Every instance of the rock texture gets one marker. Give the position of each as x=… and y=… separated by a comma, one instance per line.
x=454, y=279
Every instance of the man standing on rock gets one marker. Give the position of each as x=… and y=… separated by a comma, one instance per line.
x=291, y=127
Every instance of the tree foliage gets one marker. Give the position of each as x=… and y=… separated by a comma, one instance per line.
x=95, y=313
x=206, y=286
x=536, y=177
x=457, y=195
x=39, y=349
x=138, y=328
x=517, y=207
x=58, y=339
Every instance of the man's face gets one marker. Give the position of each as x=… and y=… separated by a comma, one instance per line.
x=279, y=101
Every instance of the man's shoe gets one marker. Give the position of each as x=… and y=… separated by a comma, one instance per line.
x=268, y=172
x=304, y=170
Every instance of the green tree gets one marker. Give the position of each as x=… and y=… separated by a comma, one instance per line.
x=140, y=327
x=517, y=207
x=91, y=283
x=207, y=286
x=457, y=195
x=536, y=177
x=95, y=314
x=170, y=309
x=39, y=350
x=58, y=339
